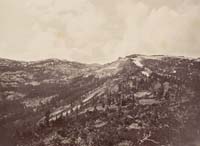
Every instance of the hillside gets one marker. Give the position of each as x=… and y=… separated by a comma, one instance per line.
x=134, y=101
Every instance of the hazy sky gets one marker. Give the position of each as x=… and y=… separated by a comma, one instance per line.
x=98, y=30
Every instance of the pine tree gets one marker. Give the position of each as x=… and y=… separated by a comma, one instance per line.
x=47, y=116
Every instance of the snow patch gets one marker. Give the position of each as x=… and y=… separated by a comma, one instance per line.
x=33, y=83
x=60, y=110
x=197, y=60
x=137, y=61
x=145, y=73
x=99, y=125
x=174, y=71
x=148, y=101
x=134, y=126
x=97, y=92
x=142, y=94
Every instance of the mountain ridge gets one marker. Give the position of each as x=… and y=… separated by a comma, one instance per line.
x=172, y=56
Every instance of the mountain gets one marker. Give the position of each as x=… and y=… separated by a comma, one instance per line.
x=135, y=100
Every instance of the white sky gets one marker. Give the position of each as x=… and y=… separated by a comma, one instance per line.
x=98, y=30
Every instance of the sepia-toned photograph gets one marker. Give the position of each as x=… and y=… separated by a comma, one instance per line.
x=99, y=72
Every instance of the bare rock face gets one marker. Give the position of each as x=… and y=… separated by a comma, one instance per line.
x=134, y=101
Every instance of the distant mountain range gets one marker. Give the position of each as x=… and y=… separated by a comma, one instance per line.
x=137, y=100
